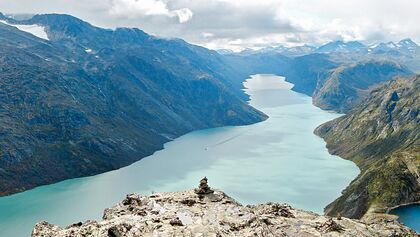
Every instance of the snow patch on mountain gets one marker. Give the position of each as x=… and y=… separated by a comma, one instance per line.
x=391, y=45
x=36, y=30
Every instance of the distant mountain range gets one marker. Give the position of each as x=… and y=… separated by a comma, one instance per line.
x=406, y=52
x=286, y=51
x=404, y=46
x=342, y=47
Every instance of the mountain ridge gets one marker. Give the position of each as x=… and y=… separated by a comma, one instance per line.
x=86, y=106
x=348, y=85
x=381, y=136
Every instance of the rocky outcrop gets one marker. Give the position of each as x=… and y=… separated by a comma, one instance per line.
x=382, y=136
x=215, y=214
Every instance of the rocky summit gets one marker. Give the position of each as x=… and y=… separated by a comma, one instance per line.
x=213, y=213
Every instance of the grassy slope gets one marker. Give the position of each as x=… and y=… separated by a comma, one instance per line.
x=382, y=137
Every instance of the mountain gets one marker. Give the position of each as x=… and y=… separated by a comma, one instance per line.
x=225, y=51
x=305, y=72
x=338, y=75
x=382, y=136
x=342, y=47
x=348, y=85
x=382, y=47
x=405, y=52
x=337, y=80
x=408, y=45
x=189, y=214
x=404, y=46
x=337, y=86
x=258, y=63
x=281, y=50
x=291, y=51
x=87, y=100
x=299, y=50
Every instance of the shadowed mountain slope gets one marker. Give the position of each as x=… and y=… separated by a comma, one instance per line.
x=348, y=85
x=91, y=100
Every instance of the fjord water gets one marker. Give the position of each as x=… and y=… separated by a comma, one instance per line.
x=278, y=160
x=409, y=215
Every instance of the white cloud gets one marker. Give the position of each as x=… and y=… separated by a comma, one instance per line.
x=367, y=20
x=207, y=35
x=183, y=14
x=138, y=8
x=245, y=23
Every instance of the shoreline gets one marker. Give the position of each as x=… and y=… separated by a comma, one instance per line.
x=342, y=201
x=308, y=132
x=389, y=209
x=162, y=146
x=245, y=90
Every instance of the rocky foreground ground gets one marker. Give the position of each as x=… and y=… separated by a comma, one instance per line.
x=204, y=212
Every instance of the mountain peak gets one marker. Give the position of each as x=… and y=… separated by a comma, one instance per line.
x=341, y=46
x=407, y=42
x=58, y=21
x=63, y=26
x=214, y=213
x=64, y=18
x=337, y=42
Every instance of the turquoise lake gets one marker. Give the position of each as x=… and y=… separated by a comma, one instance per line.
x=278, y=160
x=409, y=215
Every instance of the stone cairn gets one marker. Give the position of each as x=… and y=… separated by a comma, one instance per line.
x=330, y=225
x=203, y=188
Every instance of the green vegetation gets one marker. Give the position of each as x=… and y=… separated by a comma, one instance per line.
x=382, y=135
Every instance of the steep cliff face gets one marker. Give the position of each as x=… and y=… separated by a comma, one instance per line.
x=89, y=100
x=382, y=136
x=215, y=214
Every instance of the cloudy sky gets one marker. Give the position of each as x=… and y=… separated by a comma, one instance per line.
x=237, y=24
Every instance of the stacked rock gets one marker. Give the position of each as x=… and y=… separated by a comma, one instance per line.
x=203, y=188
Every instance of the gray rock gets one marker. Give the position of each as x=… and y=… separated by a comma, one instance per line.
x=188, y=214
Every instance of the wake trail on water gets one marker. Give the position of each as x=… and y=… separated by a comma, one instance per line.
x=226, y=140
